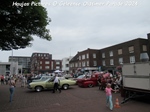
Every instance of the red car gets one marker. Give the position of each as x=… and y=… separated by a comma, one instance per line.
x=89, y=81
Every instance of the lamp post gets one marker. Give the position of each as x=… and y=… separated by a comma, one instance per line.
x=11, y=71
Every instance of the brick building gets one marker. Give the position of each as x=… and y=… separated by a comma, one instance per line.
x=87, y=60
x=110, y=57
x=43, y=62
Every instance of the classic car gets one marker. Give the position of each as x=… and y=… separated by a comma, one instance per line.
x=48, y=84
x=88, y=81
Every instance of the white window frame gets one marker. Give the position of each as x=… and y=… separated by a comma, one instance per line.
x=40, y=67
x=94, y=55
x=111, y=61
x=103, y=55
x=76, y=64
x=83, y=56
x=57, y=62
x=103, y=63
x=87, y=56
x=40, y=62
x=94, y=63
x=132, y=59
x=83, y=63
x=79, y=57
x=47, y=62
x=110, y=53
x=87, y=63
x=57, y=67
x=120, y=60
x=47, y=67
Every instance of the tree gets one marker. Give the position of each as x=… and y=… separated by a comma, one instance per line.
x=18, y=23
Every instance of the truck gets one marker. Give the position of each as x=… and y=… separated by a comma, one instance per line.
x=135, y=80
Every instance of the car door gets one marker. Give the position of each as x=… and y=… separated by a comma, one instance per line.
x=49, y=84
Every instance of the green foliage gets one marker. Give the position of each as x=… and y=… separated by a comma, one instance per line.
x=19, y=23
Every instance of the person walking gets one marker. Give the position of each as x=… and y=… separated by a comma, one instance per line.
x=23, y=81
x=108, y=91
x=56, y=84
x=11, y=88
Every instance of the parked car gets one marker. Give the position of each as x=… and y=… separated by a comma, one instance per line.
x=89, y=81
x=48, y=84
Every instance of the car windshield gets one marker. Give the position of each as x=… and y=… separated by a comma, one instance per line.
x=44, y=78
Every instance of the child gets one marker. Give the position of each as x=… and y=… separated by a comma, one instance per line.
x=108, y=91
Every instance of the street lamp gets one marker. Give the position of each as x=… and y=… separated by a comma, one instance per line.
x=11, y=67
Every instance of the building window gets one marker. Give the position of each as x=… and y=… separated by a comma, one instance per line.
x=46, y=67
x=46, y=57
x=40, y=67
x=39, y=55
x=94, y=55
x=87, y=63
x=110, y=53
x=111, y=62
x=120, y=60
x=46, y=62
x=83, y=56
x=131, y=49
x=57, y=67
x=79, y=64
x=79, y=57
x=67, y=65
x=103, y=55
x=119, y=51
x=94, y=63
x=40, y=62
x=72, y=64
x=103, y=62
x=57, y=62
x=76, y=64
x=87, y=56
x=132, y=59
x=83, y=64
x=144, y=48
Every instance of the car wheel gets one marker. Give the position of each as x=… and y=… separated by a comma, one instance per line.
x=65, y=86
x=38, y=88
x=90, y=85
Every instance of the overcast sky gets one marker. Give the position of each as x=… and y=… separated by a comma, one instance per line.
x=80, y=24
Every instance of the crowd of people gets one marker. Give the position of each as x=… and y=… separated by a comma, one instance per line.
x=105, y=78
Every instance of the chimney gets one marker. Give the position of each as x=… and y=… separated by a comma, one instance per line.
x=148, y=36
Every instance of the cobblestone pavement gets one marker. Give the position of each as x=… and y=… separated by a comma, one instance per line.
x=75, y=99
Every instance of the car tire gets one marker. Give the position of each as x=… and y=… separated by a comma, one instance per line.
x=65, y=86
x=38, y=88
x=90, y=85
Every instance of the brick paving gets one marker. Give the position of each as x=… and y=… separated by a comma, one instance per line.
x=75, y=99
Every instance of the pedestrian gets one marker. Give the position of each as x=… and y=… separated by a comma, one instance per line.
x=6, y=79
x=23, y=81
x=2, y=80
x=108, y=91
x=11, y=88
x=56, y=84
